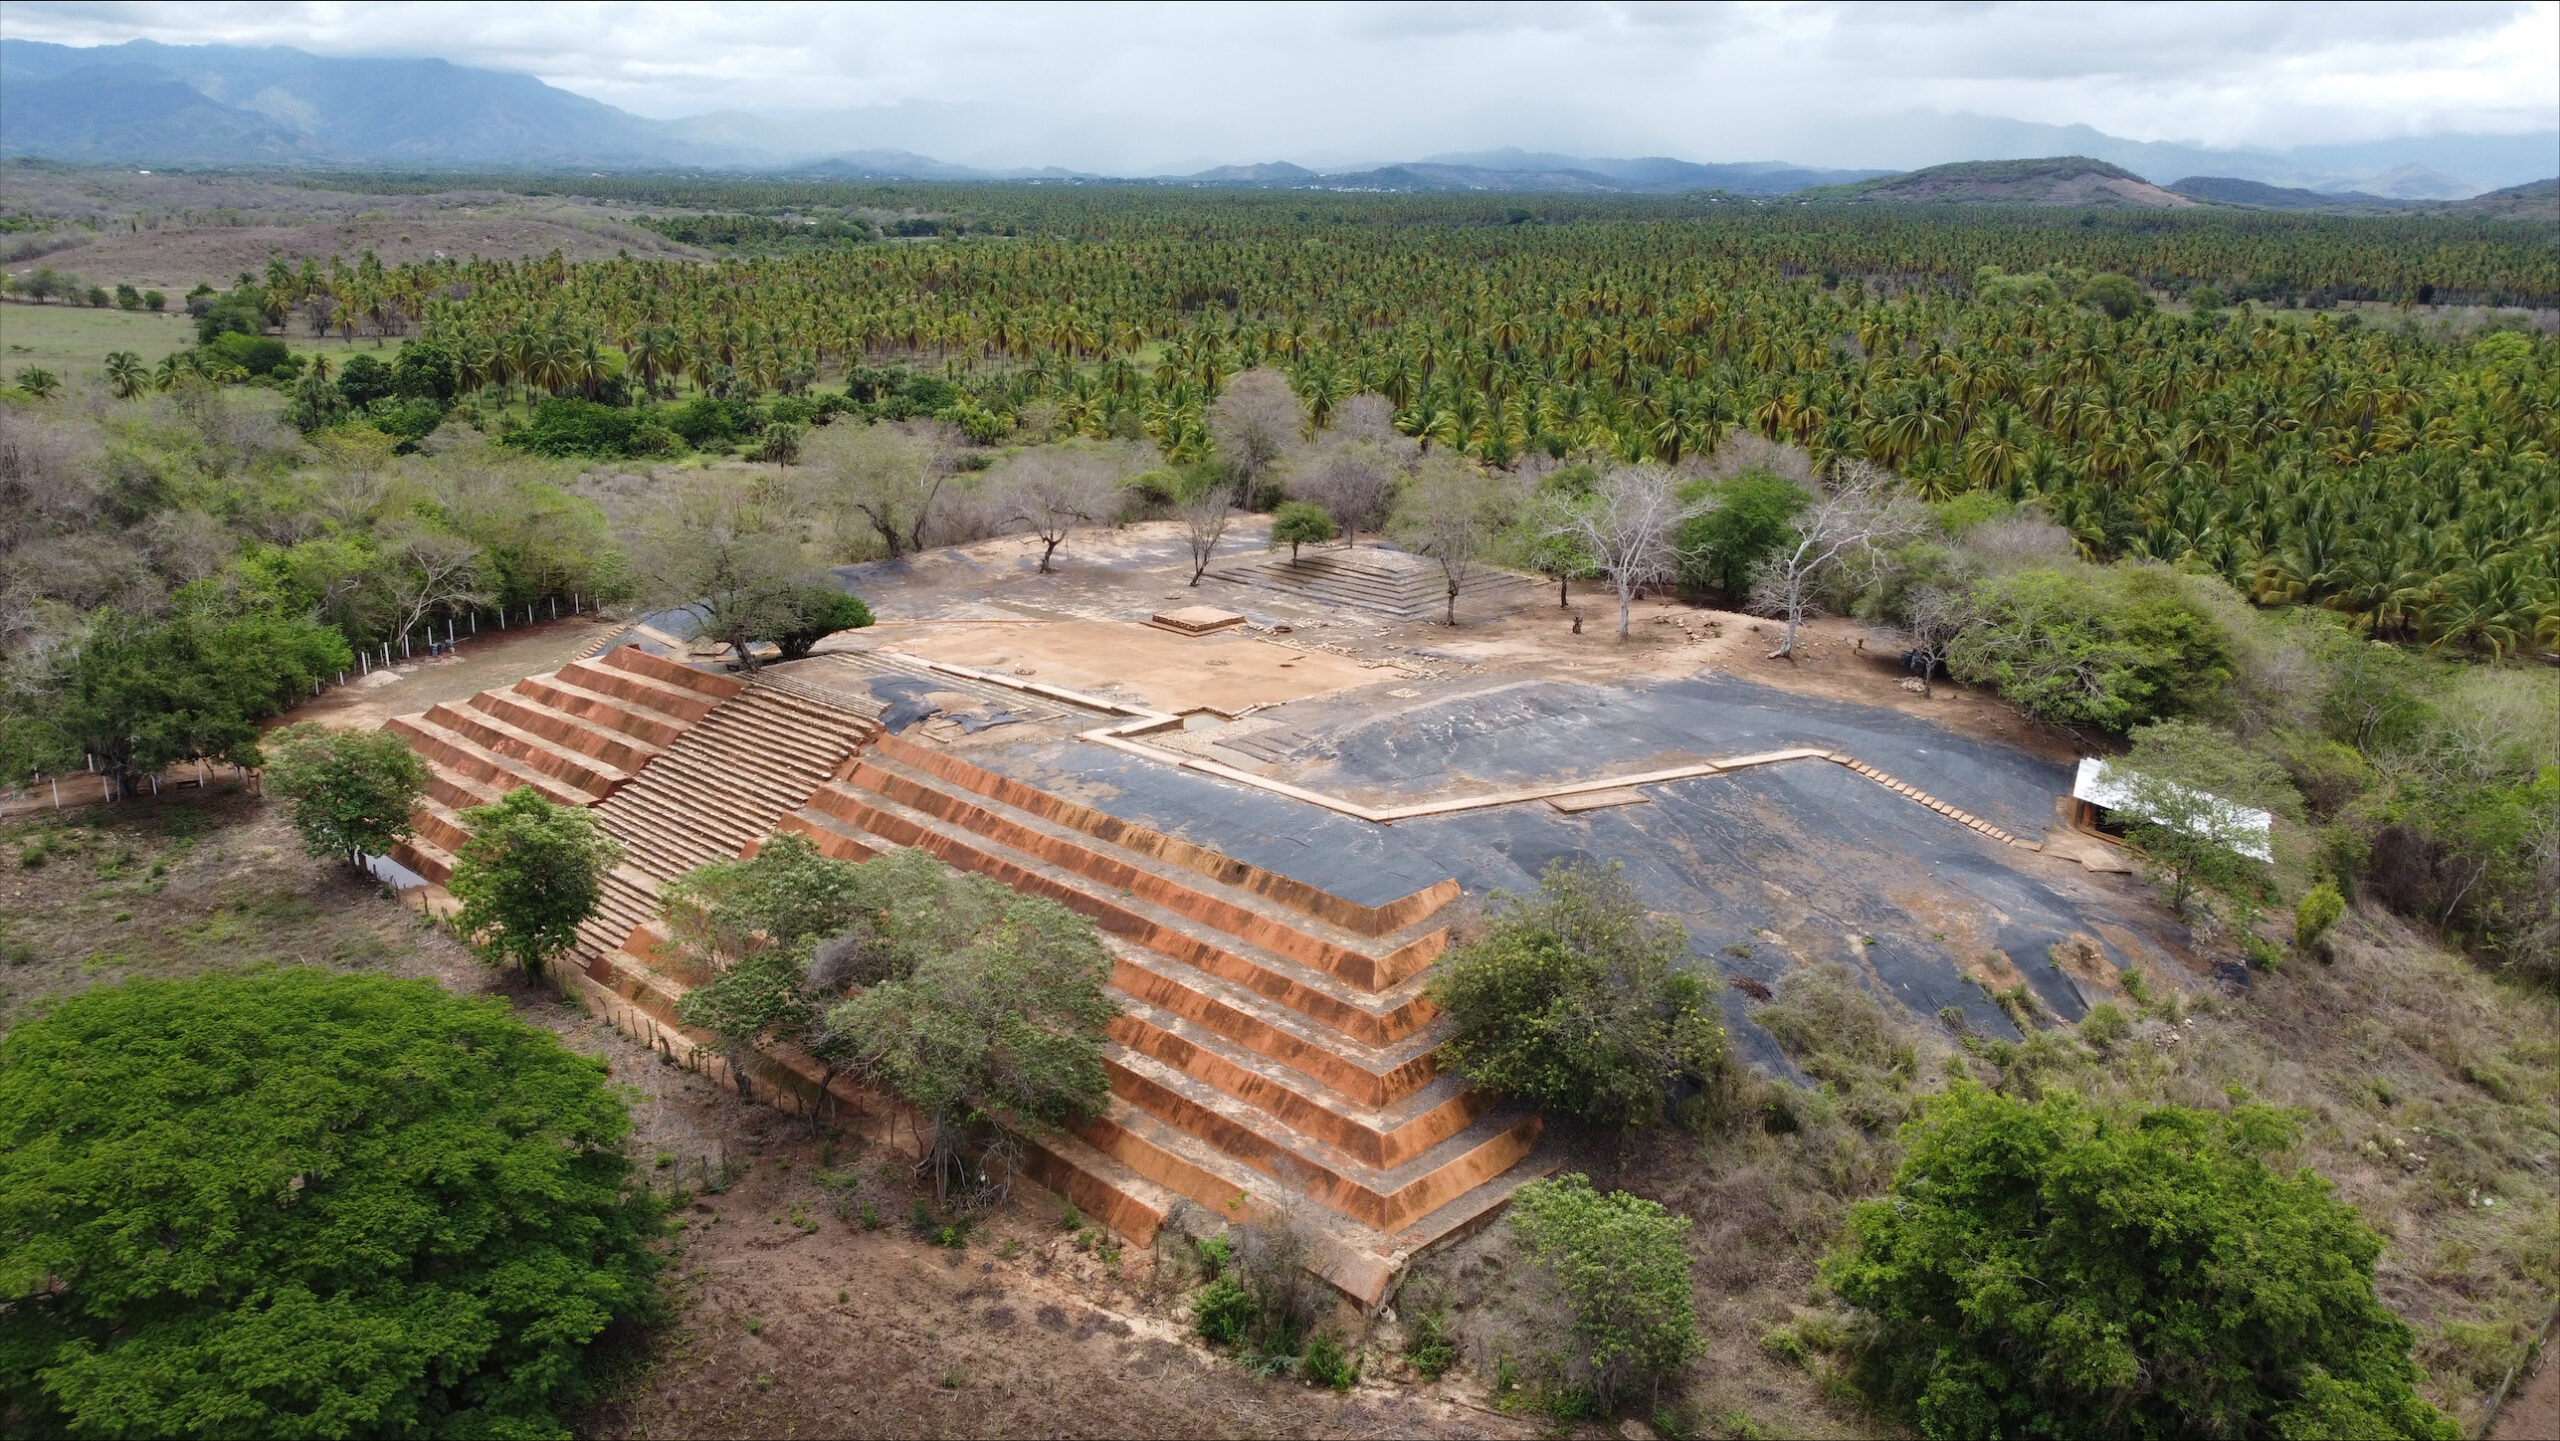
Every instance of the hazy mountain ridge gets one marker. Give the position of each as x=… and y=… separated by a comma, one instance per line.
x=277, y=103
x=2226, y=190
x=146, y=103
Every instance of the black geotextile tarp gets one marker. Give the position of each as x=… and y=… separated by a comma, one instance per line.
x=1806, y=848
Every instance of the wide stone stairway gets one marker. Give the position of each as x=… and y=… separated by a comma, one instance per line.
x=1273, y=1049
x=1392, y=582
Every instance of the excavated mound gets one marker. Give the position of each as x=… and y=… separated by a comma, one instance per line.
x=1274, y=1054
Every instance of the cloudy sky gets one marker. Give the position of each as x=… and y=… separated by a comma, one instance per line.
x=1143, y=87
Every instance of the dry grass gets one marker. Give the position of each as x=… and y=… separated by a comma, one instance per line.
x=2429, y=1095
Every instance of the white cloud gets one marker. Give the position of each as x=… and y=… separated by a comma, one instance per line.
x=1124, y=86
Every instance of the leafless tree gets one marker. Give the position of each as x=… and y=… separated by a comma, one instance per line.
x=1204, y=514
x=1056, y=488
x=1353, y=478
x=1624, y=529
x=890, y=476
x=1933, y=615
x=1371, y=416
x=1450, y=513
x=431, y=572
x=732, y=559
x=1254, y=421
x=1857, y=519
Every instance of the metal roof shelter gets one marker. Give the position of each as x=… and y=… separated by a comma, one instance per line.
x=2249, y=830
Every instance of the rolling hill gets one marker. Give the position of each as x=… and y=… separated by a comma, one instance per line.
x=2057, y=180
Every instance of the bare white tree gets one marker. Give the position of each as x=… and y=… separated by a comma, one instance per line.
x=1624, y=529
x=1254, y=421
x=1451, y=512
x=431, y=572
x=1055, y=488
x=1204, y=514
x=1856, y=520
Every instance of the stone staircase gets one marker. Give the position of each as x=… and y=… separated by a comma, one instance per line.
x=1394, y=582
x=1274, y=1048
x=576, y=735
x=715, y=793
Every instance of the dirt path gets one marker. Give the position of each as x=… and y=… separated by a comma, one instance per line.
x=2533, y=1409
x=491, y=659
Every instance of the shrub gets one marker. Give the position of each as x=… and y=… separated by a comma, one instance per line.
x=1576, y=1001
x=352, y=790
x=2318, y=910
x=259, y=355
x=568, y=426
x=1622, y=1266
x=1429, y=1343
x=1222, y=1312
x=1326, y=1364
x=1261, y=1298
x=308, y=1205
x=2105, y=649
x=2041, y=1268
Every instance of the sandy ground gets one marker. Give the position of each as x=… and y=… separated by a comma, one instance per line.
x=1131, y=573
x=1226, y=671
x=491, y=660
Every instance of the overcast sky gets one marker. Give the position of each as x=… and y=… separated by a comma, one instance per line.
x=1143, y=86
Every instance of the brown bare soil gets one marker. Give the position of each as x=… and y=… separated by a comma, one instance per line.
x=2533, y=1409
x=170, y=232
x=811, y=1309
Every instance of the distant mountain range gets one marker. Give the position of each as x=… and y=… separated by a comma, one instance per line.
x=144, y=103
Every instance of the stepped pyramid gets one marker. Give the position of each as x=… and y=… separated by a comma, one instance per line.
x=1274, y=1053
x=1374, y=578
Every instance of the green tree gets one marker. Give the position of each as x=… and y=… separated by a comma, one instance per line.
x=1578, y=1001
x=808, y=614
x=127, y=376
x=994, y=1020
x=302, y=1204
x=530, y=874
x=2117, y=295
x=142, y=696
x=352, y=790
x=755, y=926
x=2046, y=1269
x=1621, y=1264
x=1300, y=522
x=1723, y=547
x=2186, y=784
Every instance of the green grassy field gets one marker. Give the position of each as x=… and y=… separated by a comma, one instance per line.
x=71, y=340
